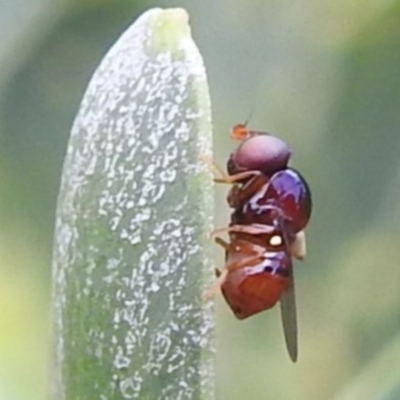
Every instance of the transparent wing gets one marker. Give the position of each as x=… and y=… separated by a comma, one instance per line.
x=289, y=319
x=288, y=301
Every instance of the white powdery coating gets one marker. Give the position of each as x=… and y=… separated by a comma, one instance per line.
x=132, y=156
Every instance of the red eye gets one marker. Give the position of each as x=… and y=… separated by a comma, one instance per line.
x=260, y=152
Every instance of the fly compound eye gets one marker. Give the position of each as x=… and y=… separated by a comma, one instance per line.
x=276, y=240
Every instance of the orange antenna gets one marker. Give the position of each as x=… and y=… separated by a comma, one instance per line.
x=240, y=131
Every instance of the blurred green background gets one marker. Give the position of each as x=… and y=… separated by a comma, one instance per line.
x=324, y=76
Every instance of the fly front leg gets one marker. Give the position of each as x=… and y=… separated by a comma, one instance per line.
x=223, y=177
x=231, y=179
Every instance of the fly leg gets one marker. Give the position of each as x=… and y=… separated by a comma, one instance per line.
x=246, y=183
x=252, y=229
x=221, y=275
x=216, y=286
x=231, y=179
x=223, y=177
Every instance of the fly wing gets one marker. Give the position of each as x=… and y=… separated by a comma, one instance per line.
x=289, y=319
x=288, y=300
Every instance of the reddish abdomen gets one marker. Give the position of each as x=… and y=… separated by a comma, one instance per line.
x=250, y=294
